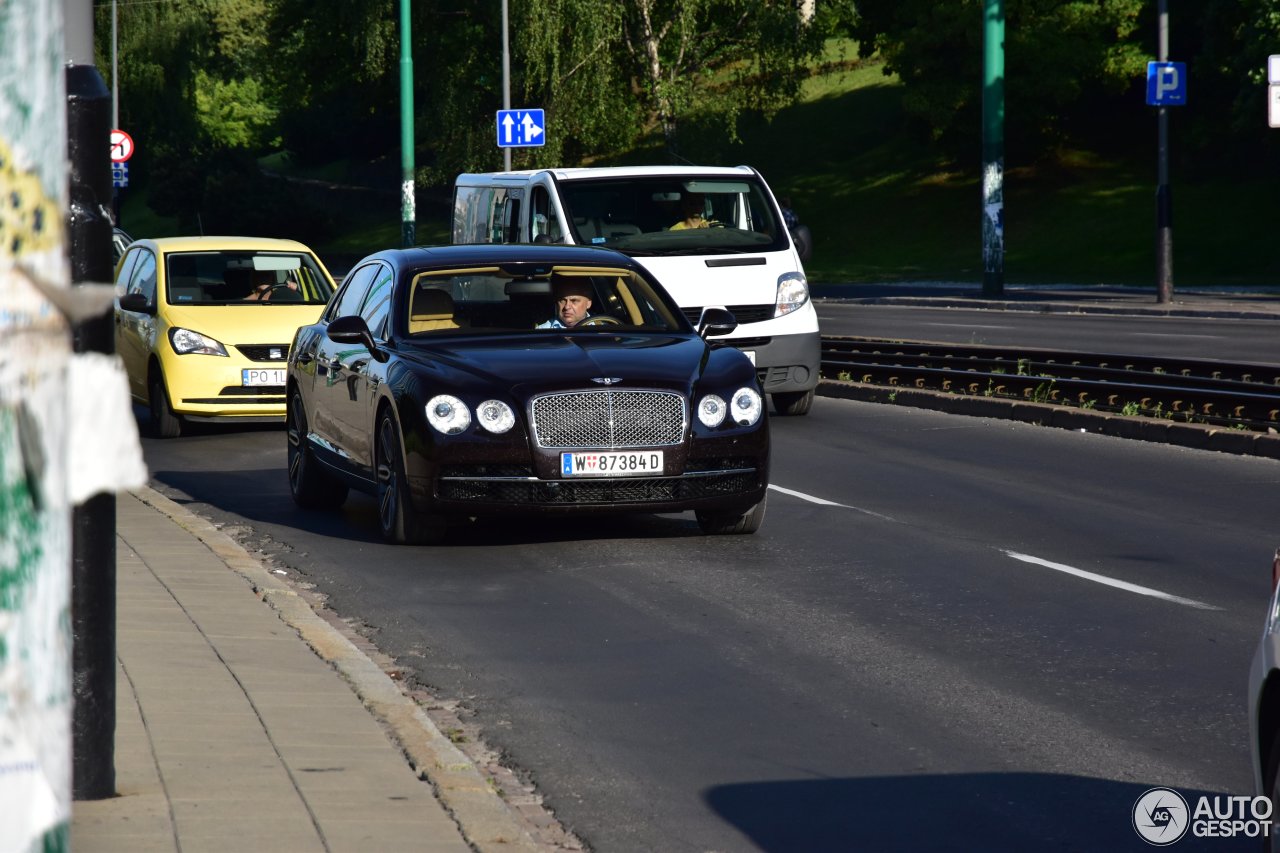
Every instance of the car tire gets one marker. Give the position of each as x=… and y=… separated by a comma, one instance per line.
x=164, y=422
x=311, y=486
x=793, y=402
x=715, y=523
x=1271, y=782
x=400, y=524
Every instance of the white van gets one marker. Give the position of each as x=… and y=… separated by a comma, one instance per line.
x=713, y=236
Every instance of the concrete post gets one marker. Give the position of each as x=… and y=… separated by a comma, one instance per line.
x=35, y=351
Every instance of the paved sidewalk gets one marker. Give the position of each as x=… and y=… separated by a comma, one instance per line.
x=233, y=733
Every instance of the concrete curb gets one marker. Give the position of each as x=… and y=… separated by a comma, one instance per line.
x=1063, y=417
x=484, y=818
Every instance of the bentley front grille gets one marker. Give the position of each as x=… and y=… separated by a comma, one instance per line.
x=609, y=419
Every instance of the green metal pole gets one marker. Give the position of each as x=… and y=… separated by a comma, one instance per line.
x=1164, y=193
x=408, y=207
x=993, y=148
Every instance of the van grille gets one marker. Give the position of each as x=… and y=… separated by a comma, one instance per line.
x=741, y=313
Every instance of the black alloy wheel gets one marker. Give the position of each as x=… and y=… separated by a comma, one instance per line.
x=400, y=524
x=717, y=523
x=310, y=485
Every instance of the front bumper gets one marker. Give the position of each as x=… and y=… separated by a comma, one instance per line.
x=784, y=362
x=723, y=473
x=205, y=386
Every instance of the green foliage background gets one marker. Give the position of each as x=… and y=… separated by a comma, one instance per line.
x=282, y=117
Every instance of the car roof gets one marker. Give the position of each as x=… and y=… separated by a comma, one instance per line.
x=216, y=244
x=504, y=253
x=587, y=172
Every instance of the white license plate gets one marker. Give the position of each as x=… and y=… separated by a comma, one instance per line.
x=255, y=376
x=751, y=354
x=611, y=463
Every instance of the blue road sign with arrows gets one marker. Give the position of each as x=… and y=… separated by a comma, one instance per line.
x=1166, y=84
x=521, y=128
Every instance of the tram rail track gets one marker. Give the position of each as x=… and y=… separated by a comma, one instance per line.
x=1232, y=395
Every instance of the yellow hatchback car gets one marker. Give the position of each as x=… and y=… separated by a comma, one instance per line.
x=204, y=324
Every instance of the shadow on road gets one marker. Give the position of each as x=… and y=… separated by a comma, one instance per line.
x=984, y=811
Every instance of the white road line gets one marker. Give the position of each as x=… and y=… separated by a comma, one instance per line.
x=821, y=502
x=1118, y=584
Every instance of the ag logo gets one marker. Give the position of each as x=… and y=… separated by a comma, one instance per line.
x=1160, y=816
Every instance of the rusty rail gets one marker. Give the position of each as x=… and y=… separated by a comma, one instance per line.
x=1232, y=394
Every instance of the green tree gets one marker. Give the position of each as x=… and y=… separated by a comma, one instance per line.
x=623, y=67
x=1062, y=59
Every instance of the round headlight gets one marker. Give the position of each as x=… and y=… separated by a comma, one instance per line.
x=747, y=407
x=495, y=416
x=711, y=410
x=448, y=414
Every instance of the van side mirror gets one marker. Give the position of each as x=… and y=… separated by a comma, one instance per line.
x=716, y=321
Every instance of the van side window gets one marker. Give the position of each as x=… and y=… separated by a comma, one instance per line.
x=510, y=221
x=544, y=225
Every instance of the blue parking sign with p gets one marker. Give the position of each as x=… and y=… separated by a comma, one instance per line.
x=1166, y=84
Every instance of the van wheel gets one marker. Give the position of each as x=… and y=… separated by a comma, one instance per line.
x=716, y=523
x=310, y=485
x=400, y=524
x=164, y=423
x=793, y=402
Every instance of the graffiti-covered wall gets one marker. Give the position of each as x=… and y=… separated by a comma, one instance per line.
x=35, y=635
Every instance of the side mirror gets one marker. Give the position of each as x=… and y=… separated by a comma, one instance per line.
x=137, y=303
x=353, y=330
x=716, y=321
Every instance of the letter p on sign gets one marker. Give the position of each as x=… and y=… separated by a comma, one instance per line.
x=1166, y=84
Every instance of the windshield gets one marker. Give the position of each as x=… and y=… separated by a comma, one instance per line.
x=221, y=278
x=670, y=215
x=493, y=300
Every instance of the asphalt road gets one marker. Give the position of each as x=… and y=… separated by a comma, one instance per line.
x=1255, y=341
x=900, y=659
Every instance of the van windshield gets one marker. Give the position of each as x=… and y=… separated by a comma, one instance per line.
x=673, y=215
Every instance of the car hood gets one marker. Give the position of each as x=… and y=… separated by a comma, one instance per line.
x=532, y=363
x=250, y=323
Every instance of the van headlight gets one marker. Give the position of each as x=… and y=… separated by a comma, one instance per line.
x=793, y=292
x=495, y=416
x=187, y=342
x=448, y=414
x=747, y=406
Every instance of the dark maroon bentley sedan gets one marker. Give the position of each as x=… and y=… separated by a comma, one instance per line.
x=498, y=379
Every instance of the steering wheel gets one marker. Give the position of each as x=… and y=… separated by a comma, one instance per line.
x=601, y=320
x=293, y=291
